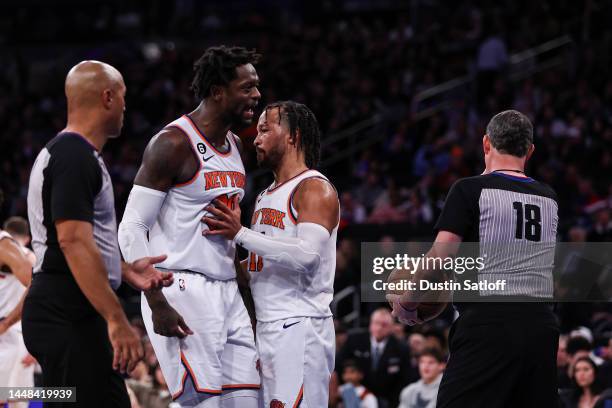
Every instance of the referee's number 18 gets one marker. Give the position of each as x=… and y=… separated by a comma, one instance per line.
x=528, y=221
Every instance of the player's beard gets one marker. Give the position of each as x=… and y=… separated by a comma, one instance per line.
x=270, y=160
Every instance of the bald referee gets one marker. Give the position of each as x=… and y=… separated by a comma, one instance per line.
x=73, y=323
x=501, y=354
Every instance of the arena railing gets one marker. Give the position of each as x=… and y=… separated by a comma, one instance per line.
x=432, y=100
x=353, y=318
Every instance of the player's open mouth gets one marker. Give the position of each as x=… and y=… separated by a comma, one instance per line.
x=249, y=113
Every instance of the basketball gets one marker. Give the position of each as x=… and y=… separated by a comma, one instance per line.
x=433, y=302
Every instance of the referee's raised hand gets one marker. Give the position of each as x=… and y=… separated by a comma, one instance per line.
x=127, y=348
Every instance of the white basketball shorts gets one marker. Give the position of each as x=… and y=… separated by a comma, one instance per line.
x=221, y=353
x=297, y=359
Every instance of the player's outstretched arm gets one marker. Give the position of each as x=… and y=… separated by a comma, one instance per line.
x=162, y=166
x=167, y=160
x=317, y=204
x=12, y=256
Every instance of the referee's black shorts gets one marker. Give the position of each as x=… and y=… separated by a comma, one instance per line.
x=63, y=331
x=502, y=355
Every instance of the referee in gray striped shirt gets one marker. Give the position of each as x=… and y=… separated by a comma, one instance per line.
x=502, y=354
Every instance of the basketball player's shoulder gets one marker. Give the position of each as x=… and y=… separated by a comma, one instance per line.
x=169, y=146
x=317, y=187
x=317, y=195
x=170, y=139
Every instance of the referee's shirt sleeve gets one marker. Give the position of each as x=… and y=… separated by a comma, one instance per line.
x=457, y=213
x=76, y=180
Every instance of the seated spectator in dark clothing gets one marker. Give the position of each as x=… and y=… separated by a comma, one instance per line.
x=384, y=360
x=585, y=389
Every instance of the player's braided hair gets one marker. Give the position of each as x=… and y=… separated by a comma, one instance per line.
x=301, y=119
x=217, y=66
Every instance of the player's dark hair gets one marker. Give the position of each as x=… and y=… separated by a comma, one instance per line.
x=17, y=226
x=511, y=132
x=301, y=119
x=576, y=344
x=433, y=352
x=217, y=66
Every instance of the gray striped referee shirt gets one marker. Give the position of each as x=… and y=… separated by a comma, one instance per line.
x=513, y=221
x=69, y=181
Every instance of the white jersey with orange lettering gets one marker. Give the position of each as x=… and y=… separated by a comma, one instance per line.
x=280, y=293
x=295, y=332
x=220, y=355
x=178, y=229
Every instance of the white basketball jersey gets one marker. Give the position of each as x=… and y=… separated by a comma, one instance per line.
x=11, y=289
x=177, y=231
x=278, y=291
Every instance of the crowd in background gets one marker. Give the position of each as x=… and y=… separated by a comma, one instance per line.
x=348, y=61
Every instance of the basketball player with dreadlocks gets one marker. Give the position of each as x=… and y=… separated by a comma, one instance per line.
x=199, y=326
x=292, y=258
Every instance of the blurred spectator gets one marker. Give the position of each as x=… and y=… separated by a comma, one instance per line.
x=383, y=359
x=423, y=393
x=353, y=393
x=352, y=211
x=585, y=385
x=435, y=339
x=602, y=226
x=149, y=394
x=577, y=347
x=390, y=207
x=399, y=332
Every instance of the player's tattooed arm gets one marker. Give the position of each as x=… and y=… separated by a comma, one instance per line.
x=167, y=160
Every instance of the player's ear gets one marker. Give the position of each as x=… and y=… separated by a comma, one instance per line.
x=216, y=92
x=294, y=139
